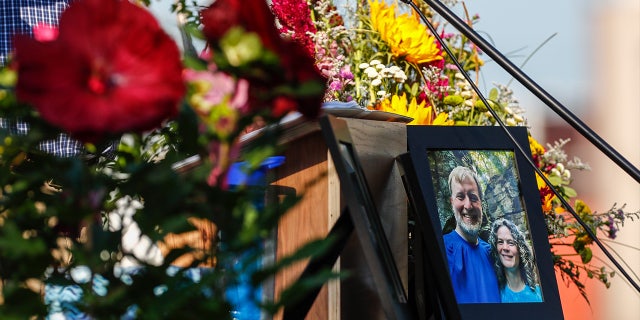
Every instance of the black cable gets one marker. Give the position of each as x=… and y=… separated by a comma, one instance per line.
x=454, y=20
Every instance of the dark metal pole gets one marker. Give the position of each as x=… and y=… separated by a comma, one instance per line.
x=534, y=88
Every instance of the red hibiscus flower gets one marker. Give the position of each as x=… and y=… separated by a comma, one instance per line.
x=111, y=69
x=297, y=69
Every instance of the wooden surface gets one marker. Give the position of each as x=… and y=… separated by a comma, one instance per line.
x=308, y=170
x=377, y=143
x=305, y=172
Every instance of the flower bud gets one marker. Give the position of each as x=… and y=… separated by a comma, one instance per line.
x=371, y=72
x=466, y=94
x=395, y=69
x=518, y=118
x=453, y=100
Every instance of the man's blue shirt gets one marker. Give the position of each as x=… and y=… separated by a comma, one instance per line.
x=471, y=268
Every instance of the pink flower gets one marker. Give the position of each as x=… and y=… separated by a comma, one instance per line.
x=345, y=72
x=218, y=99
x=294, y=15
x=44, y=32
x=335, y=85
x=222, y=155
x=111, y=69
x=212, y=88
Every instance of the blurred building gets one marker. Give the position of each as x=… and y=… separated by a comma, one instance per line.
x=613, y=112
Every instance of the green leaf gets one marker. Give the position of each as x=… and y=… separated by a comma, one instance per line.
x=586, y=255
x=555, y=180
x=414, y=89
x=240, y=47
x=570, y=192
x=479, y=104
x=493, y=94
x=292, y=294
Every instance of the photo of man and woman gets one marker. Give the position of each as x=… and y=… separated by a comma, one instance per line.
x=485, y=229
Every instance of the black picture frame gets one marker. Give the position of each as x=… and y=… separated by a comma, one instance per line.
x=435, y=150
x=362, y=211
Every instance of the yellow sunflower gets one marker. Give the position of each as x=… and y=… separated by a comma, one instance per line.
x=420, y=114
x=405, y=35
x=536, y=148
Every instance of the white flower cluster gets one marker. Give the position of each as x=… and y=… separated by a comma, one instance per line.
x=437, y=79
x=463, y=89
x=500, y=100
x=377, y=73
x=511, y=105
x=555, y=154
x=560, y=171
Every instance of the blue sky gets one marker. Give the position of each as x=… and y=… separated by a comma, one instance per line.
x=517, y=28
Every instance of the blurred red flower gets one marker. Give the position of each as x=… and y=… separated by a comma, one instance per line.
x=45, y=32
x=111, y=69
x=252, y=15
x=297, y=69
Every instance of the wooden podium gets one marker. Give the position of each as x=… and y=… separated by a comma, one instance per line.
x=308, y=171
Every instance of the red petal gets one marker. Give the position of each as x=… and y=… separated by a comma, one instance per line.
x=106, y=42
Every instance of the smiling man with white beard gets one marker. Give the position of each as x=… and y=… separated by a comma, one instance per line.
x=469, y=256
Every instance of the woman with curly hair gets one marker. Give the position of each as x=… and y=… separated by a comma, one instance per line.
x=513, y=263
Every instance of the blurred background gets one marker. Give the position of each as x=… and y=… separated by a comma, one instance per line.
x=586, y=54
x=590, y=62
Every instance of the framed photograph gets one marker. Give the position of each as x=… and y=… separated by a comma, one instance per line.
x=477, y=192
